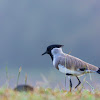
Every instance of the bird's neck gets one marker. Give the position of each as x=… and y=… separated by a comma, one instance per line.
x=59, y=53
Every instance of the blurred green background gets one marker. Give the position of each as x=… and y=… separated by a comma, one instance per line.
x=27, y=27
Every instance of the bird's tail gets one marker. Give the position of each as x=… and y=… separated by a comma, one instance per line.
x=98, y=71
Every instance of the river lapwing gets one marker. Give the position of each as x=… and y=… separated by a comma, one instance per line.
x=70, y=65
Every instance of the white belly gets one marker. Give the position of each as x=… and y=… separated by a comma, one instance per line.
x=65, y=70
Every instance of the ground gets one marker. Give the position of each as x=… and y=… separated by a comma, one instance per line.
x=40, y=93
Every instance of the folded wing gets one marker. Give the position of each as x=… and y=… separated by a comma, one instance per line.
x=73, y=63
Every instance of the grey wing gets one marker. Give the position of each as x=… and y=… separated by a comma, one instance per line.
x=74, y=63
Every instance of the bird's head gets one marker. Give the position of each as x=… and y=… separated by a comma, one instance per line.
x=50, y=49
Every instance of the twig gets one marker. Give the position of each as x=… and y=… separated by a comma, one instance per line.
x=19, y=75
x=26, y=79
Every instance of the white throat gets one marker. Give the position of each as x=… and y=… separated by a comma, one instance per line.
x=56, y=51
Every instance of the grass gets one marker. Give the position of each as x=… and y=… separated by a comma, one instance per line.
x=41, y=93
x=48, y=94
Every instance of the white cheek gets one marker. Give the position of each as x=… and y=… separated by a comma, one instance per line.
x=53, y=51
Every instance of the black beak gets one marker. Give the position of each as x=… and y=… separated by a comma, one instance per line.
x=44, y=53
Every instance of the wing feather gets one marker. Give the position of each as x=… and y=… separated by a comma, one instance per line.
x=74, y=63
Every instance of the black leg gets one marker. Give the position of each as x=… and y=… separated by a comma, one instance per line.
x=78, y=81
x=70, y=83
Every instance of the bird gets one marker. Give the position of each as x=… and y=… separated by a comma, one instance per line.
x=68, y=64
